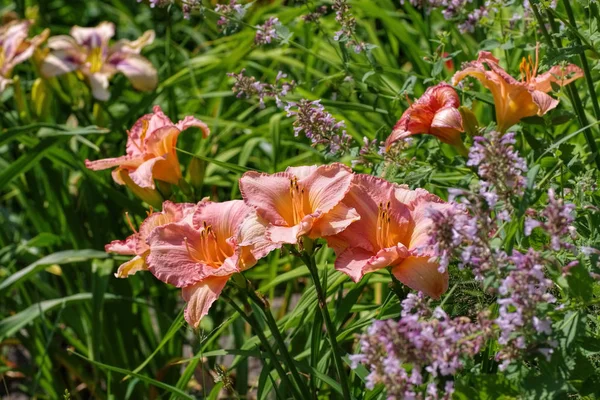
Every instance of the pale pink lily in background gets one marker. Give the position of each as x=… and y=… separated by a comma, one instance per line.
x=151, y=152
x=514, y=99
x=87, y=50
x=200, y=256
x=135, y=244
x=15, y=47
x=435, y=113
x=302, y=201
x=392, y=232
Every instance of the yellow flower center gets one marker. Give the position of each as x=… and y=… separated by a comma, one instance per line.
x=297, y=195
x=2, y=56
x=528, y=67
x=208, y=251
x=95, y=59
x=383, y=225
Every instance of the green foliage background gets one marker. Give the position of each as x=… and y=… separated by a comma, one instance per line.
x=77, y=328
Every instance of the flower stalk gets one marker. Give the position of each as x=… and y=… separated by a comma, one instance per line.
x=263, y=304
x=308, y=257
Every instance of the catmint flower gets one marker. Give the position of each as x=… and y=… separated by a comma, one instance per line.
x=499, y=166
x=315, y=15
x=319, y=126
x=557, y=222
x=520, y=293
x=429, y=340
x=249, y=87
x=230, y=13
x=344, y=17
x=267, y=33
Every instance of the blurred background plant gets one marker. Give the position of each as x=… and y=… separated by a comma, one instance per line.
x=325, y=81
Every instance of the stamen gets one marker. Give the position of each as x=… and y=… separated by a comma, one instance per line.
x=130, y=222
x=187, y=247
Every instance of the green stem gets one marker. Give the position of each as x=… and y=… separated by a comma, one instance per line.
x=251, y=319
x=272, y=324
x=573, y=95
x=584, y=62
x=309, y=260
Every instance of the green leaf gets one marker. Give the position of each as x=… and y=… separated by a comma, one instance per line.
x=144, y=378
x=61, y=257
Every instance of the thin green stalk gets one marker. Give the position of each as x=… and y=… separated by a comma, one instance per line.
x=272, y=324
x=309, y=261
x=265, y=342
x=584, y=62
x=573, y=95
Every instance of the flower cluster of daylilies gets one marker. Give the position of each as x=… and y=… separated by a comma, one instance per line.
x=438, y=111
x=370, y=223
x=86, y=52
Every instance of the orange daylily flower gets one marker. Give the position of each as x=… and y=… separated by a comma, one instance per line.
x=518, y=99
x=151, y=153
x=435, y=113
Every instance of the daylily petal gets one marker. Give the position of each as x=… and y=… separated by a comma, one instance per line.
x=326, y=186
x=368, y=196
x=224, y=218
x=387, y=257
x=4, y=83
x=130, y=267
x=543, y=102
x=335, y=221
x=420, y=274
x=287, y=234
x=175, y=258
x=124, y=161
x=59, y=62
x=26, y=49
x=142, y=175
x=447, y=125
x=12, y=38
x=352, y=261
x=126, y=247
x=269, y=195
x=171, y=212
x=134, y=46
x=161, y=143
x=189, y=122
x=93, y=37
x=200, y=298
x=252, y=241
x=302, y=171
x=137, y=69
x=99, y=84
x=559, y=75
x=436, y=113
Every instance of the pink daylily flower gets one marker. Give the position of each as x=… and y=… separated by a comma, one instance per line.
x=301, y=201
x=135, y=244
x=392, y=232
x=151, y=152
x=15, y=47
x=87, y=50
x=200, y=256
x=435, y=113
x=514, y=99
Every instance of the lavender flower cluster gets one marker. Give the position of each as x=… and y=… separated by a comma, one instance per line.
x=187, y=6
x=267, y=33
x=319, y=126
x=468, y=19
x=499, y=167
x=522, y=326
x=557, y=222
x=249, y=87
x=517, y=279
x=434, y=344
x=347, y=22
x=230, y=14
